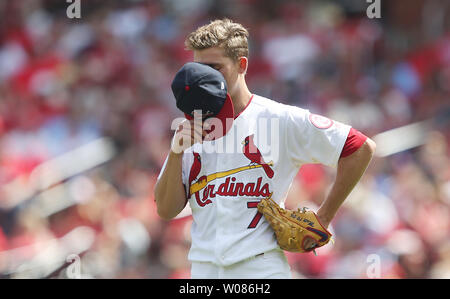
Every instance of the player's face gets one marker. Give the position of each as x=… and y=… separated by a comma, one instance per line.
x=215, y=57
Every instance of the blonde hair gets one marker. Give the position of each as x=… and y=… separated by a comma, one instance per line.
x=232, y=37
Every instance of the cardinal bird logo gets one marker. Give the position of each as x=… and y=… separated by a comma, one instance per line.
x=254, y=155
x=195, y=168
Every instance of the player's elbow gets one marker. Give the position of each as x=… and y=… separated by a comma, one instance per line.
x=162, y=209
x=164, y=213
x=170, y=199
x=165, y=207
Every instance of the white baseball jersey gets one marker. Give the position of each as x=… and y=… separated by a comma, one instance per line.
x=261, y=154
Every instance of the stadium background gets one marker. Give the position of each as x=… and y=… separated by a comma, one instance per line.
x=86, y=109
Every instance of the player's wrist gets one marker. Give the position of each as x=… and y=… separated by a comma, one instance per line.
x=324, y=217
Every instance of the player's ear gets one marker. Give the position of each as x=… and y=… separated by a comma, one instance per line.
x=243, y=65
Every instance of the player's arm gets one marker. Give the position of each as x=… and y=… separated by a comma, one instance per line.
x=350, y=169
x=170, y=194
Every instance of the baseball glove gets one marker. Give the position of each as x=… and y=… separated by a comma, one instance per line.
x=293, y=228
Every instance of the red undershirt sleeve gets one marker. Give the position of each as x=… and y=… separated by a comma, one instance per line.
x=355, y=140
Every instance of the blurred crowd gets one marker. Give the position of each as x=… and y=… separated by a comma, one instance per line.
x=66, y=83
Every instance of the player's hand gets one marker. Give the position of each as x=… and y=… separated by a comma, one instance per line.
x=187, y=134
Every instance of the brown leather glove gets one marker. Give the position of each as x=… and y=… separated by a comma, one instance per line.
x=294, y=228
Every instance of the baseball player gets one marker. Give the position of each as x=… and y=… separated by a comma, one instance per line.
x=231, y=236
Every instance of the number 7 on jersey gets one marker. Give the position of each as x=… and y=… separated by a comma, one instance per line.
x=257, y=218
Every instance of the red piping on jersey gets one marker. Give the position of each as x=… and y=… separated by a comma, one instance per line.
x=245, y=107
x=355, y=140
